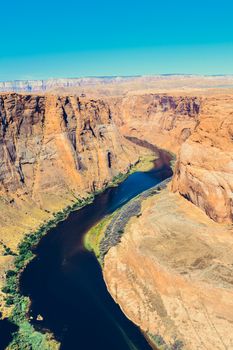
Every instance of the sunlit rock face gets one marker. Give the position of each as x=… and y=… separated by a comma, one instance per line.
x=54, y=149
x=199, y=130
x=51, y=142
x=172, y=271
x=162, y=119
x=172, y=274
x=204, y=169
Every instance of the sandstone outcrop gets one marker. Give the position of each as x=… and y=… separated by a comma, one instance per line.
x=161, y=119
x=54, y=149
x=204, y=169
x=172, y=274
x=198, y=129
x=172, y=271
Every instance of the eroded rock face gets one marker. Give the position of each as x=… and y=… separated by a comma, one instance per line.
x=199, y=130
x=204, y=169
x=172, y=271
x=56, y=148
x=59, y=136
x=172, y=274
x=164, y=120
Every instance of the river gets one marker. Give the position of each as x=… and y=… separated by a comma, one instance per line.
x=64, y=281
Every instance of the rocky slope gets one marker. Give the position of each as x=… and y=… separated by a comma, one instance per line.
x=53, y=149
x=162, y=119
x=202, y=127
x=172, y=271
x=172, y=274
x=204, y=169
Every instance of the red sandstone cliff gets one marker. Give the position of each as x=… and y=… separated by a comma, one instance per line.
x=52, y=150
x=172, y=271
x=161, y=119
x=198, y=129
x=204, y=169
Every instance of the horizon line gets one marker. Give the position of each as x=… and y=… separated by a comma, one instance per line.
x=119, y=76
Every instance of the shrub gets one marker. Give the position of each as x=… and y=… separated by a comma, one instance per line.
x=9, y=301
x=10, y=273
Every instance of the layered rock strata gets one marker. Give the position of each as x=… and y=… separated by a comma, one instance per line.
x=199, y=130
x=172, y=273
x=204, y=169
x=54, y=149
x=161, y=119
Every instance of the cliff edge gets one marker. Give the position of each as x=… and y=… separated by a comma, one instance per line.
x=204, y=168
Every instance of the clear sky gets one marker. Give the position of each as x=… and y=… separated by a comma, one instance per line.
x=53, y=38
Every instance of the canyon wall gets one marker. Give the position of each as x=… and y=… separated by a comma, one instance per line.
x=172, y=271
x=54, y=149
x=164, y=120
x=199, y=130
x=204, y=168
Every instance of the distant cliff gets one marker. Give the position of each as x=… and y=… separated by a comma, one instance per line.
x=53, y=84
x=165, y=120
x=204, y=169
x=118, y=85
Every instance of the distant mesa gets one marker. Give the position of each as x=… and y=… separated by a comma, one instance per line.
x=124, y=83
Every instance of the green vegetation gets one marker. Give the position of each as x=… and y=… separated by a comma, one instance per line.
x=116, y=180
x=144, y=163
x=27, y=338
x=162, y=345
x=94, y=236
x=7, y=250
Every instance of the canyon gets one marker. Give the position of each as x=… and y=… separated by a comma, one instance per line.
x=171, y=271
x=199, y=130
x=53, y=151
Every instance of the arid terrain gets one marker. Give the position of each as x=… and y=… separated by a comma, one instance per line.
x=121, y=86
x=172, y=271
x=54, y=150
x=172, y=274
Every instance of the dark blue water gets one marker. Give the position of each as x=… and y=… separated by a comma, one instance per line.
x=7, y=329
x=65, y=283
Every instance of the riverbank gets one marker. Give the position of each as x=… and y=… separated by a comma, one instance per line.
x=94, y=236
x=108, y=233
x=169, y=268
x=16, y=305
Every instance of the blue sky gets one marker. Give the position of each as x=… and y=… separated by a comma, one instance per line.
x=42, y=39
